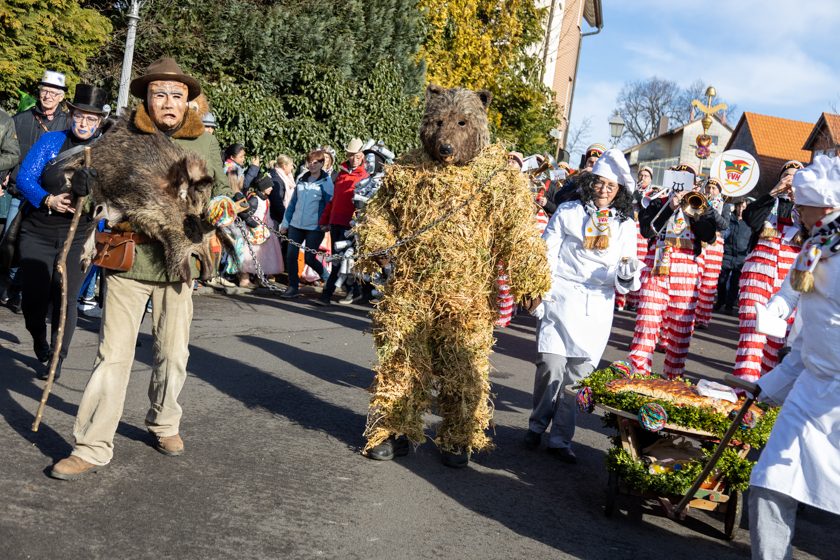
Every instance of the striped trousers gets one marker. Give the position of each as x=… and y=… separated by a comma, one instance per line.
x=666, y=301
x=763, y=274
x=712, y=262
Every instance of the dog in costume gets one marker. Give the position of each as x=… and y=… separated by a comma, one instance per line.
x=463, y=209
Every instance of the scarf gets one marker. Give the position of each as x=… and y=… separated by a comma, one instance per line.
x=823, y=243
x=597, y=229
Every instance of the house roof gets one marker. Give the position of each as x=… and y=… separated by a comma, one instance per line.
x=831, y=123
x=776, y=140
x=672, y=132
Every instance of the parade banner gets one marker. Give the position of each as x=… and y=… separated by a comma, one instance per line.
x=737, y=171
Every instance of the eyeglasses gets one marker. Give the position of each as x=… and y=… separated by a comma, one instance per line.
x=602, y=186
x=87, y=119
x=50, y=93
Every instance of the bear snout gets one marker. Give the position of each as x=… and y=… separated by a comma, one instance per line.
x=446, y=150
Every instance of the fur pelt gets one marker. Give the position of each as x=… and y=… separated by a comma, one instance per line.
x=158, y=187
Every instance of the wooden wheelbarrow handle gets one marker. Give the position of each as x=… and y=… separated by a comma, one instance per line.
x=752, y=392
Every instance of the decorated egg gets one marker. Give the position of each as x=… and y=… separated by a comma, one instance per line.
x=622, y=368
x=653, y=417
x=585, y=401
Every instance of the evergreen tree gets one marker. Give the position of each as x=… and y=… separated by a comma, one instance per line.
x=38, y=35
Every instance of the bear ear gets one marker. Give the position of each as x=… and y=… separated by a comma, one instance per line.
x=485, y=97
x=433, y=90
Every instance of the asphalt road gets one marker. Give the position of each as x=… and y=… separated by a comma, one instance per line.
x=273, y=415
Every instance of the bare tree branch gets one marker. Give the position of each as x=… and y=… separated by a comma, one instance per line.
x=579, y=136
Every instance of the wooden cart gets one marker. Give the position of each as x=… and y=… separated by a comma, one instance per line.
x=719, y=497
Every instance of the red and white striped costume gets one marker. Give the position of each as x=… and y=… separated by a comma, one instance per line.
x=712, y=263
x=764, y=271
x=667, y=300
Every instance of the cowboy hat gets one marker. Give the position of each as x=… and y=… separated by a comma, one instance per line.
x=164, y=69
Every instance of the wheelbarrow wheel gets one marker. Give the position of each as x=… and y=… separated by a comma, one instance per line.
x=612, y=494
x=732, y=518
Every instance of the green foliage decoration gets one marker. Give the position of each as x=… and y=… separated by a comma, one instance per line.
x=40, y=35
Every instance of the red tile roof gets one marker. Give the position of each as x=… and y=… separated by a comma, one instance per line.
x=831, y=122
x=776, y=141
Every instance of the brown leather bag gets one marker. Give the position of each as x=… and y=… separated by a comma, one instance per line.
x=115, y=250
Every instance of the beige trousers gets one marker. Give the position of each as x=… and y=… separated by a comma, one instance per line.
x=102, y=403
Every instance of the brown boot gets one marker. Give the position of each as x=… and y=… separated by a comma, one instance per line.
x=72, y=468
x=171, y=446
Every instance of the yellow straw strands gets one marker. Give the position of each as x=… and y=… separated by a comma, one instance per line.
x=434, y=327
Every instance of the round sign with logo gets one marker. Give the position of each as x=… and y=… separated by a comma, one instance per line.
x=737, y=171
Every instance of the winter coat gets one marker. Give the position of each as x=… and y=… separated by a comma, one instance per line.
x=340, y=209
x=758, y=212
x=31, y=124
x=149, y=263
x=308, y=202
x=9, y=147
x=736, y=245
x=276, y=199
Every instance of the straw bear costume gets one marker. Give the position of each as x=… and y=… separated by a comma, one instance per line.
x=433, y=329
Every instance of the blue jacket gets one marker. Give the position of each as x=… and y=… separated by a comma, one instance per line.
x=29, y=175
x=308, y=202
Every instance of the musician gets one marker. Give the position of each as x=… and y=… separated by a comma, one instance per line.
x=773, y=247
x=643, y=185
x=668, y=297
x=712, y=254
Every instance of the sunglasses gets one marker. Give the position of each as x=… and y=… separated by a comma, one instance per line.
x=315, y=161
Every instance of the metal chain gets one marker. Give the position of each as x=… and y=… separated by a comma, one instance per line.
x=261, y=277
x=386, y=252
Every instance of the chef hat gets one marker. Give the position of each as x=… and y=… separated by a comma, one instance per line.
x=819, y=183
x=613, y=166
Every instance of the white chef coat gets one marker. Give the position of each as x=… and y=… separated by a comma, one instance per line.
x=576, y=315
x=802, y=457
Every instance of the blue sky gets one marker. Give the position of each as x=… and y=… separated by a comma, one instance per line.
x=776, y=57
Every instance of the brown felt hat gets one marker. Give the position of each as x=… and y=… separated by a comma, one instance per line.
x=164, y=69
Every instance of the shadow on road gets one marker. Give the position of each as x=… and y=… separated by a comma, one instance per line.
x=255, y=387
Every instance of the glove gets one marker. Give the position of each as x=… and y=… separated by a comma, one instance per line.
x=628, y=267
x=83, y=180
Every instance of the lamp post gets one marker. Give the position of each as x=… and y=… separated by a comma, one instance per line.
x=616, y=128
x=128, y=57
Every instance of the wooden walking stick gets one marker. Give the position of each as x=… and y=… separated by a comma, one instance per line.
x=61, y=266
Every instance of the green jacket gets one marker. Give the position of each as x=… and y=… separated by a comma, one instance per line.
x=9, y=149
x=149, y=262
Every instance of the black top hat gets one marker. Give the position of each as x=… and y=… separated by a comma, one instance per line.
x=90, y=99
x=164, y=69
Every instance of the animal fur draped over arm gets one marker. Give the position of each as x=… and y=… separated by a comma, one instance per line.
x=517, y=241
x=377, y=226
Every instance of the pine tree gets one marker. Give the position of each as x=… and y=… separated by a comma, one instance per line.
x=37, y=35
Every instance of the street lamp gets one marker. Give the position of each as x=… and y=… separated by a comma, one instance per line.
x=616, y=128
x=128, y=57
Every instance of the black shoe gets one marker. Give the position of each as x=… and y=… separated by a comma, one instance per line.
x=323, y=302
x=45, y=372
x=15, y=303
x=42, y=350
x=533, y=439
x=455, y=460
x=731, y=311
x=390, y=448
x=565, y=454
x=290, y=293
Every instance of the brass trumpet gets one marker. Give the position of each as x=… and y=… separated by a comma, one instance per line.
x=695, y=204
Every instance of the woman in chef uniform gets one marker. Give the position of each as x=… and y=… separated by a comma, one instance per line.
x=801, y=462
x=592, y=253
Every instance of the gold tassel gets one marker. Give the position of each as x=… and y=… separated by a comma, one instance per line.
x=661, y=270
x=802, y=280
x=596, y=242
x=768, y=232
x=798, y=239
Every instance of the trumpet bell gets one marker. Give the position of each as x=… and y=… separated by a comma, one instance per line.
x=695, y=204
